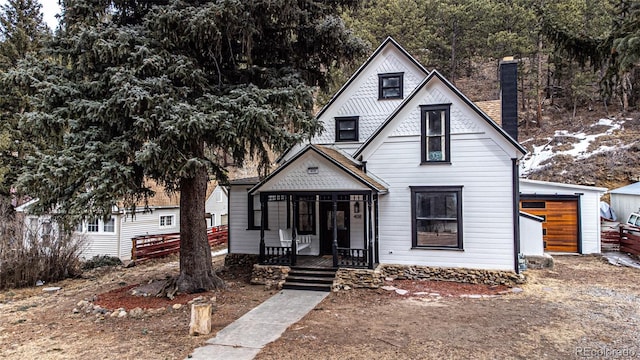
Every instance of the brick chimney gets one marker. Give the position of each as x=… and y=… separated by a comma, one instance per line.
x=509, y=96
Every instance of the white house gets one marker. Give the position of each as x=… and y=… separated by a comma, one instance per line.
x=217, y=207
x=408, y=170
x=114, y=236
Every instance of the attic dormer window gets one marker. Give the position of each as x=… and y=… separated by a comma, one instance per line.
x=347, y=128
x=390, y=86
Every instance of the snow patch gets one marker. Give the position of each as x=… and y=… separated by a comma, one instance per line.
x=540, y=154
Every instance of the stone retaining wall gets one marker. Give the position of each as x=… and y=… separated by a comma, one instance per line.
x=271, y=276
x=346, y=279
x=241, y=260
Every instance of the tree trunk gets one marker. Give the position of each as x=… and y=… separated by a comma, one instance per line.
x=196, y=269
x=539, y=83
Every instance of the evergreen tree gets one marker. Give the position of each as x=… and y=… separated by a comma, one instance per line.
x=143, y=89
x=22, y=33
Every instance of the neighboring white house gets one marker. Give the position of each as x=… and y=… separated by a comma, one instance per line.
x=571, y=214
x=114, y=236
x=407, y=171
x=625, y=200
x=217, y=207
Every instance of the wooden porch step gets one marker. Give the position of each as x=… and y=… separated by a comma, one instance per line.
x=310, y=279
x=312, y=272
x=307, y=278
x=306, y=286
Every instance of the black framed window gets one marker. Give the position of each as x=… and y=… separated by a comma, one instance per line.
x=437, y=217
x=390, y=86
x=254, y=214
x=347, y=128
x=307, y=215
x=436, y=133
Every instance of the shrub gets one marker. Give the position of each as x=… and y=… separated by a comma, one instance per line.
x=100, y=261
x=36, y=252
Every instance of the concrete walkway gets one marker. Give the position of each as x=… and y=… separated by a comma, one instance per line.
x=244, y=338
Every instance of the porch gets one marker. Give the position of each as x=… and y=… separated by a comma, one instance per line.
x=333, y=229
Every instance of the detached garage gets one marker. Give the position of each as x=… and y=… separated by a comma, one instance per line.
x=570, y=213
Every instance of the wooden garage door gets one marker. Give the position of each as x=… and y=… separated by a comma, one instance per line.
x=560, y=228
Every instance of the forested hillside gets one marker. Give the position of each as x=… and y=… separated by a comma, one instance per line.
x=578, y=63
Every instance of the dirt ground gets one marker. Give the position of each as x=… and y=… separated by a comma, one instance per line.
x=582, y=307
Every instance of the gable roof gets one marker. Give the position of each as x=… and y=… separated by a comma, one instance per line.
x=335, y=157
x=471, y=104
x=633, y=189
x=388, y=41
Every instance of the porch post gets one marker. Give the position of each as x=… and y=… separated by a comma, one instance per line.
x=334, y=221
x=370, y=246
x=376, y=226
x=263, y=216
x=294, y=230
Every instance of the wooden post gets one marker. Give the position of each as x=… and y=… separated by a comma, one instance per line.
x=294, y=231
x=200, y=319
x=334, y=221
x=263, y=216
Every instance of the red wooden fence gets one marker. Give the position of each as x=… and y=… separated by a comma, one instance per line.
x=152, y=246
x=630, y=239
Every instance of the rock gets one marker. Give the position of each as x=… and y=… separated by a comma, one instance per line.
x=75, y=311
x=475, y=296
x=115, y=313
x=176, y=306
x=39, y=283
x=388, y=288
x=196, y=300
x=516, y=290
x=388, y=279
x=347, y=287
x=434, y=294
x=129, y=264
x=122, y=314
x=401, y=292
x=136, y=313
x=82, y=303
x=51, y=289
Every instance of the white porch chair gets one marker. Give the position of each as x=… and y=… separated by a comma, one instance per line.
x=302, y=242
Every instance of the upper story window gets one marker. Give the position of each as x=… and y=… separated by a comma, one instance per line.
x=347, y=128
x=390, y=86
x=436, y=134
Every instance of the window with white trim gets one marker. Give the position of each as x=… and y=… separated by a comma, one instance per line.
x=93, y=226
x=167, y=221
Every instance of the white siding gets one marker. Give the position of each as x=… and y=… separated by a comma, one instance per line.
x=589, y=207
x=144, y=224
x=624, y=204
x=531, y=242
x=483, y=171
x=297, y=177
x=242, y=240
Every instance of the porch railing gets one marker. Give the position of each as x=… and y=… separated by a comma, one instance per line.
x=277, y=255
x=357, y=258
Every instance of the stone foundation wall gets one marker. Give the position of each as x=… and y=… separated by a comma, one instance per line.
x=271, y=276
x=346, y=279
x=471, y=276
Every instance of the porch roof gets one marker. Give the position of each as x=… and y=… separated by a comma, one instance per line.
x=337, y=160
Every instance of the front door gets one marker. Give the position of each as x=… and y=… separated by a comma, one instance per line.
x=326, y=226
